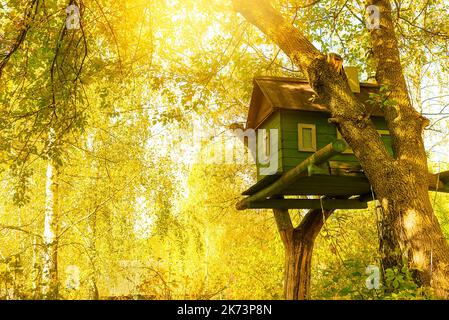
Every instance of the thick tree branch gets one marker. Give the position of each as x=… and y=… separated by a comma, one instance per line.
x=404, y=122
x=438, y=181
x=284, y=224
x=312, y=223
x=308, y=228
x=287, y=37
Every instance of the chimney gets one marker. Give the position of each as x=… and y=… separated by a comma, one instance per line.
x=352, y=73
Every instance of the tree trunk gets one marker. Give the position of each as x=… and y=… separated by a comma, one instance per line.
x=50, y=238
x=410, y=229
x=298, y=243
x=411, y=233
x=92, y=285
x=35, y=273
x=298, y=262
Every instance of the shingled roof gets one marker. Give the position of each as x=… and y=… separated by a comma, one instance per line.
x=271, y=94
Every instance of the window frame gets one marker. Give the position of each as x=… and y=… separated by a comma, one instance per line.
x=301, y=147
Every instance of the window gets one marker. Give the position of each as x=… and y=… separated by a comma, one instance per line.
x=306, y=137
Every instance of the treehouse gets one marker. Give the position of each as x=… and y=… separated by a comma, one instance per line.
x=311, y=157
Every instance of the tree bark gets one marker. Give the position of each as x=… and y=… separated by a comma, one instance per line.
x=298, y=243
x=409, y=223
x=410, y=229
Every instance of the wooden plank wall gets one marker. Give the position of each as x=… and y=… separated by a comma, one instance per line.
x=325, y=131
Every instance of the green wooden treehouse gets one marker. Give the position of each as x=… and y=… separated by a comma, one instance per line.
x=312, y=157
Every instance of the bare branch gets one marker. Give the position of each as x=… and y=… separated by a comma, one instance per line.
x=20, y=229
